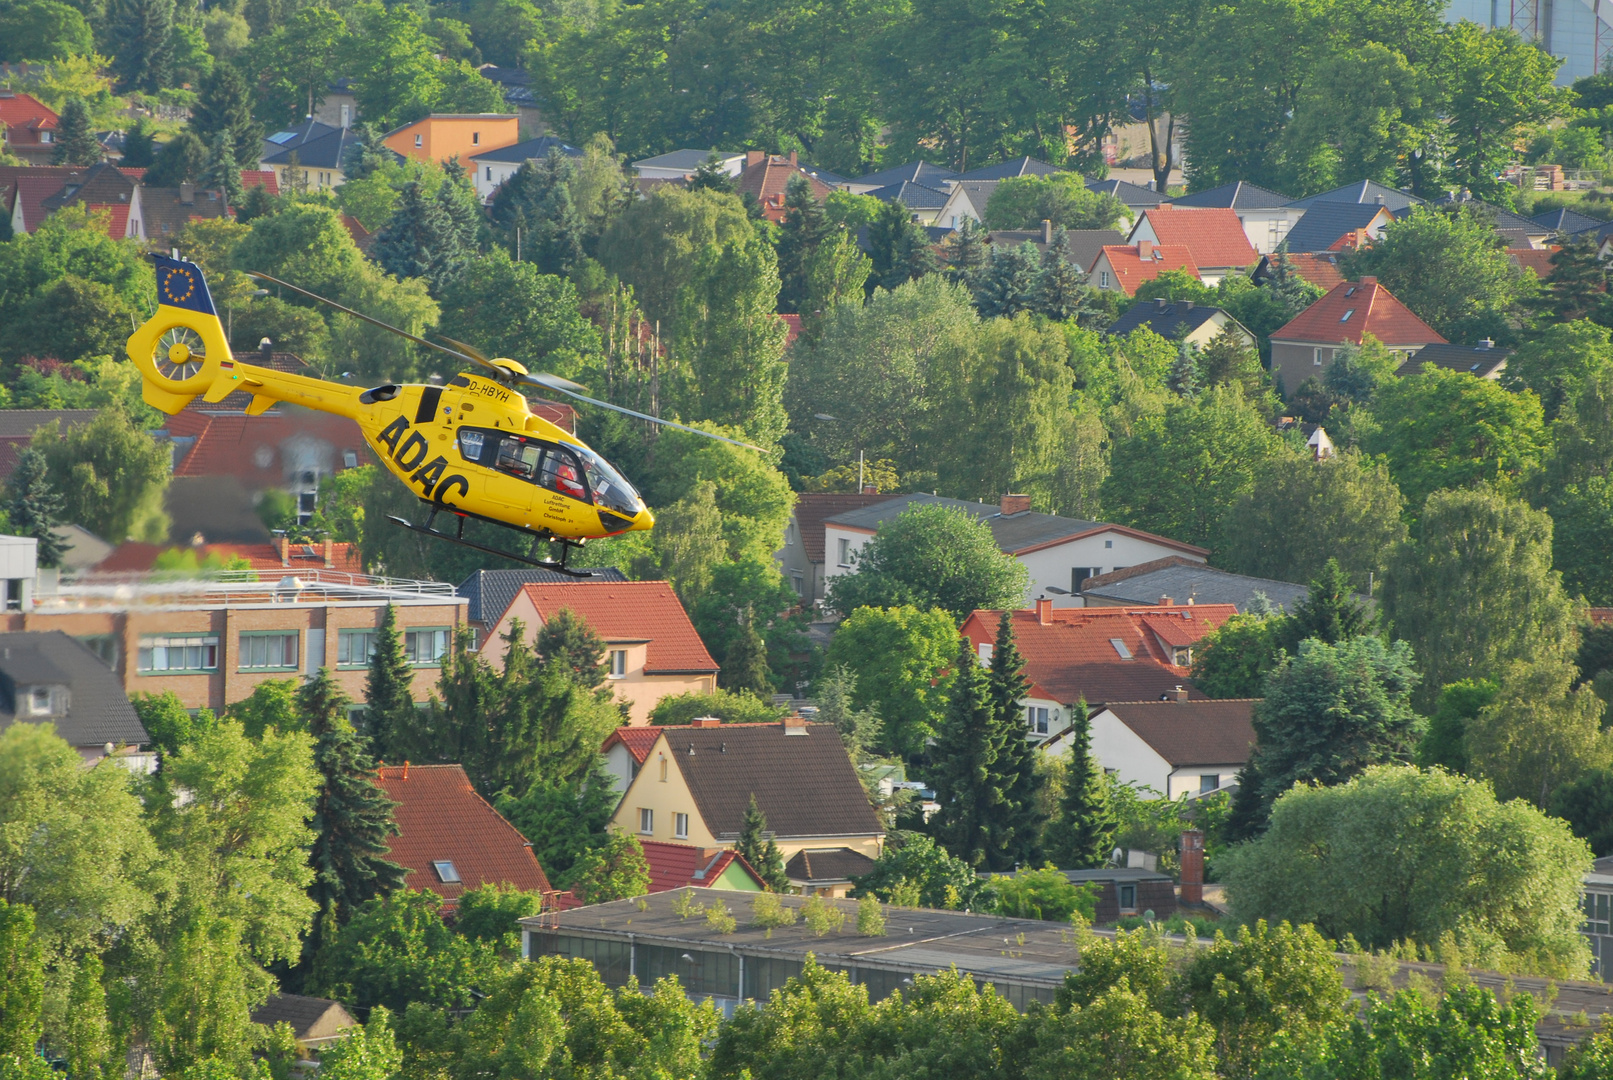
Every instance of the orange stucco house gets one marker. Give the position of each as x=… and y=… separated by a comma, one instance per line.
x=442, y=136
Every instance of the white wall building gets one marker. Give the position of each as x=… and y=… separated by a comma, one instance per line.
x=1178, y=748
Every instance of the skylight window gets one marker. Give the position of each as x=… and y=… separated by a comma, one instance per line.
x=1346, y=316
x=445, y=871
x=1120, y=647
x=1350, y=291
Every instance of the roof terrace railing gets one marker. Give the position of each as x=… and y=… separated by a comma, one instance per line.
x=284, y=585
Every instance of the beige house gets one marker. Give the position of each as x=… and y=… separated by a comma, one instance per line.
x=1183, y=320
x=1346, y=315
x=697, y=781
x=652, y=649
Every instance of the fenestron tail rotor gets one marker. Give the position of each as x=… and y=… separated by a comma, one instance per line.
x=179, y=353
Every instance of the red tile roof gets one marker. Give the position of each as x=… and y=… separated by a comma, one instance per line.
x=132, y=172
x=33, y=191
x=632, y=611
x=1134, y=264
x=264, y=178
x=250, y=448
x=26, y=116
x=1073, y=655
x=638, y=741
x=792, y=324
x=676, y=866
x=1537, y=260
x=812, y=509
x=1320, y=270
x=440, y=817
x=766, y=177
x=1213, y=235
x=1353, y=309
x=133, y=557
x=118, y=222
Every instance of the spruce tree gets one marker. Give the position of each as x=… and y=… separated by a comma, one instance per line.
x=388, y=689
x=537, y=201
x=33, y=506
x=712, y=176
x=352, y=818
x=407, y=245
x=1085, y=836
x=75, y=142
x=1007, y=284
x=965, y=763
x=221, y=173
x=256, y=203
x=805, y=227
x=139, y=146
x=744, y=667
x=143, y=31
x=224, y=106
x=1060, y=292
x=967, y=254
x=1184, y=376
x=180, y=161
x=898, y=246
x=568, y=640
x=1294, y=292
x=759, y=849
x=366, y=153
x=1020, y=842
x=1331, y=611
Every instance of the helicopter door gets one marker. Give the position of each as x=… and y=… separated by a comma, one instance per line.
x=509, y=466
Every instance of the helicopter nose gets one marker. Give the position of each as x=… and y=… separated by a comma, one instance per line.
x=644, y=520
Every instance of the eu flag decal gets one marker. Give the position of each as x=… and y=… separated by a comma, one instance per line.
x=180, y=284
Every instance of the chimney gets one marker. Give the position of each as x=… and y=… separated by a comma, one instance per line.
x=1145, y=249
x=265, y=351
x=1047, y=231
x=1187, y=305
x=705, y=721
x=1181, y=692
x=1380, y=198
x=1192, y=867
x=187, y=193
x=793, y=162
x=1164, y=601
x=870, y=489
x=754, y=157
x=1044, y=611
x=795, y=725
x=285, y=549
x=330, y=554
x=1014, y=504
x=406, y=770
x=1160, y=303
x=1369, y=281
x=1485, y=344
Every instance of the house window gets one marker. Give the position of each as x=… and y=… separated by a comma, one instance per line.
x=196, y=653
x=1316, y=357
x=490, y=172
x=1108, y=543
x=14, y=594
x=1079, y=574
x=104, y=646
x=476, y=138
x=1346, y=316
x=1120, y=647
x=446, y=872
x=646, y=819
x=1209, y=782
x=349, y=459
x=789, y=534
x=420, y=140
x=1128, y=897
x=425, y=648
x=618, y=663
x=843, y=550
x=680, y=826
x=984, y=650
x=798, y=583
x=1103, y=279
x=354, y=648
x=663, y=770
x=268, y=652
x=1036, y=715
x=1182, y=657
x=39, y=701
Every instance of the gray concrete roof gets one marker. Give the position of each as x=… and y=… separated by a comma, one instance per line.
x=1182, y=580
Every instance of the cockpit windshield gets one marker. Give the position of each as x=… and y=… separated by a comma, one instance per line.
x=610, y=490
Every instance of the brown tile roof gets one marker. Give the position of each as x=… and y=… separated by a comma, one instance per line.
x=632, y=611
x=99, y=183
x=1537, y=260
x=766, y=177
x=828, y=865
x=813, y=508
x=1353, y=309
x=638, y=740
x=440, y=817
x=1320, y=270
x=1187, y=733
x=1134, y=264
x=1073, y=655
x=169, y=209
x=804, y=784
x=1213, y=235
x=675, y=866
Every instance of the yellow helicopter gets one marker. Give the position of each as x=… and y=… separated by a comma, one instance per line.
x=470, y=448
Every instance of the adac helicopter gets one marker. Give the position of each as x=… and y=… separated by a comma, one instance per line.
x=470, y=448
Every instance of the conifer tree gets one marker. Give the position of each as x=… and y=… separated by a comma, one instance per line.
x=1008, y=282
x=967, y=254
x=537, y=201
x=1331, y=611
x=224, y=107
x=180, y=161
x=1060, y=292
x=805, y=227
x=760, y=850
x=1020, y=841
x=144, y=34
x=1184, y=376
x=388, y=689
x=221, y=173
x=966, y=760
x=1295, y=293
x=408, y=244
x=139, y=146
x=744, y=667
x=352, y=819
x=256, y=203
x=366, y=153
x=462, y=215
x=898, y=246
x=33, y=507
x=568, y=640
x=75, y=142
x=1085, y=835
x=712, y=176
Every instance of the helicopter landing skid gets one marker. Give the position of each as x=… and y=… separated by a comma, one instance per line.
x=459, y=538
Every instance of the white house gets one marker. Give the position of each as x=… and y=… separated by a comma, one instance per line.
x=1177, y=748
x=1059, y=552
x=680, y=163
x=491, y=169
x=966, y=201
x=1266, y=215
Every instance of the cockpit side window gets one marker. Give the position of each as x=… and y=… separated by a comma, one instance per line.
x=562, y=473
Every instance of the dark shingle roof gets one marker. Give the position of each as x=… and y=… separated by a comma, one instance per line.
x=1183, y=580
x=804, y=784
x=1473, y=359
x=1168, y=320
x=295, y=136
x=324, y=152
x=99, y=711
x=1133, y=195
x=530, y=150
x=490, y=591
x=1325, y=222
x=834, y=864
x=1238, y=195
x=812, y=509
x=1004, y=170
x=22, y=423
x=1567, y=221
x=1192, y=732
x=914, y=172
x=1081, y=246
x=304, y=1014
x=1364, y=191
x=913, y=196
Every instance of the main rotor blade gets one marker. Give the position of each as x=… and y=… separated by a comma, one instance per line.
x=556, y=384
x=373, y=321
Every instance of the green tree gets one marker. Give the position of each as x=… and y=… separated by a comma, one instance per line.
x=898, y=246
x=180, y=161
x=1475, y=590
x=1233, y=659
x=365, y=1053
x=1331, y=611
x=23, y=996
x=566, y=639
x=1118, y=1034
x=744, y=664
x=139, y=148
x=1084, y=835
x=1023, y=819
x=899, y=657
x=510, y=309
x=759, y=849
x=690, y=546
x=1061, y=289
x=1587, y=805
x=33, y=507
x=1006, y=285
x=221, y=173
x=537, y=201
x=728, y=706
x=914, y=871
x=170, y=725
x=296, y=62
x=43, y=30
x=75, y=142
x=1560, y=362
x=396, y=950
x=805, y=228
x=415, y=242
x=614, y=871
x=224, y=107
x=271, y=705
x=655, y=243
x=352, y=818
x=1451, y=270
x=1332, y=711
x=1179, y=470
x=112, y=476
x=1348, y=498
x=388, y=686
x=1445, y=742
x=490, y=914
x=1024, y=202
x=931, y=556
x=563, y=820
x=1397, y=854
x=144, y=33
x=398, y=75
x=87, y=1040
x=1576, y=288
x=966, y=769
x=1540, y=732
